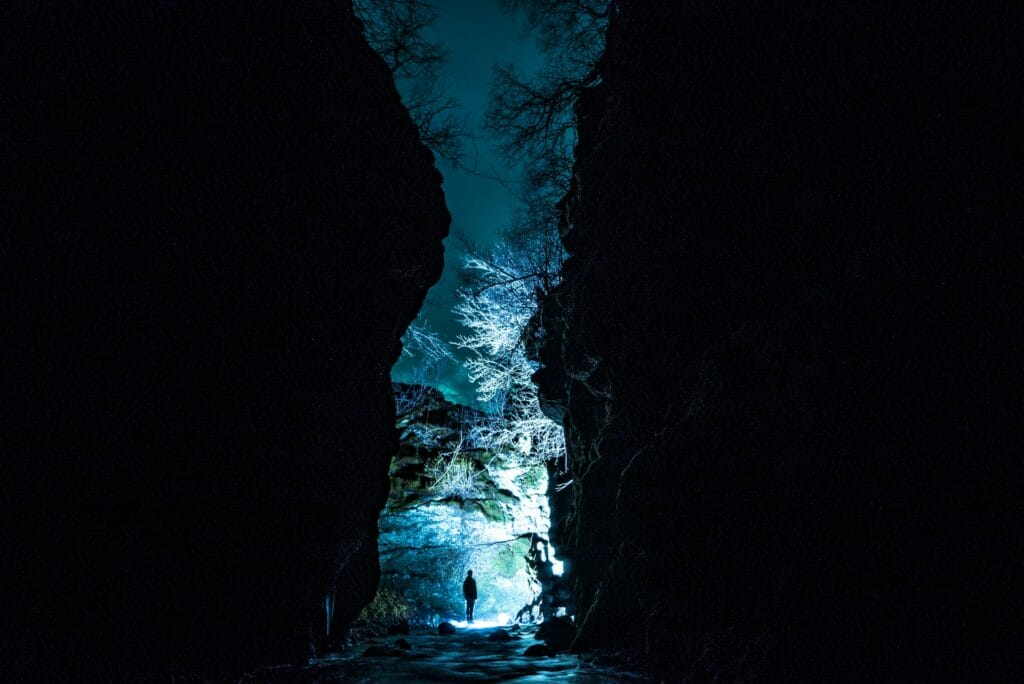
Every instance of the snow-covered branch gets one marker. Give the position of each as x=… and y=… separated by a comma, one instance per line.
x=497, y=316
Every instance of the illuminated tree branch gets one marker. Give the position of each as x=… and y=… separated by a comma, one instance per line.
x=497, y=317
x=430, y=355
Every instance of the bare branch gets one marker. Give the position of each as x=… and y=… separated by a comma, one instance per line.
x=497, y=317
x=395, y=29
x=533, y=116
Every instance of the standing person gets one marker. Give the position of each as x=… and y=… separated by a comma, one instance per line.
x=469, y=591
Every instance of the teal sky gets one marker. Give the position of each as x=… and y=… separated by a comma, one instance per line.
x=478, y=34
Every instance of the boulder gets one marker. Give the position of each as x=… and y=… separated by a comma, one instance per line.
x=557, y=633
x=401, y=627
x=500, y=635
x=445, y=628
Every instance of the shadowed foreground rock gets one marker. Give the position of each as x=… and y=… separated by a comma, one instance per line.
x=219, y=223
x=789, y=344
x=466, y=656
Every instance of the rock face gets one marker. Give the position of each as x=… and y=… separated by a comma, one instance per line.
x=786, y=343
x=220, y=223
x=489, y=521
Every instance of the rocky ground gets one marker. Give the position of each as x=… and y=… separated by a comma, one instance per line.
x=469, y=655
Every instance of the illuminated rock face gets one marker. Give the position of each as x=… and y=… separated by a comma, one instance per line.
x=222, y=221
x=429, y=538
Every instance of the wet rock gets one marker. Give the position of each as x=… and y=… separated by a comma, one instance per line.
x=403, y=644
x=401, y=628
x=538, y=650
x=557, y=633
x=500, y=635
x=386, y=651
x=446, y=628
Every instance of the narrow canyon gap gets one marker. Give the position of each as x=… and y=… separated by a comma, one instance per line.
x=786, y=346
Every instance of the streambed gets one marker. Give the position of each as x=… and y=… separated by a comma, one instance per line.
x=466, y=656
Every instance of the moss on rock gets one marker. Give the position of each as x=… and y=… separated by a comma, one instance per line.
x=492, y=510
x=532, y=478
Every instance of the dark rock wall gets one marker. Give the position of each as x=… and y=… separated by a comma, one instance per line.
x=788, y=341
x=219, y=222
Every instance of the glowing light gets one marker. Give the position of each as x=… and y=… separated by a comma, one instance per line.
x=482, y=624
x=504, y=618
x=557, y=567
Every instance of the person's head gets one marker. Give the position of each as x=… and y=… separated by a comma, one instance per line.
x=469, y=573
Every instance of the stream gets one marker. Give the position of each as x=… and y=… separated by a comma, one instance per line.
x=466, y=656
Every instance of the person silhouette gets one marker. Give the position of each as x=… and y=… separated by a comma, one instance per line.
x=469, y=592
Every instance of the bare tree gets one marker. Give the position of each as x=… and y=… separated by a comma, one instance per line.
x=532, y=115
x=396, y=30
x=533, y=119
x=420, y=340
x=430, y=356
x=497, y=316
x=453, y=472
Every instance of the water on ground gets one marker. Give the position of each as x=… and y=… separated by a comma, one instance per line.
x=466, y=656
